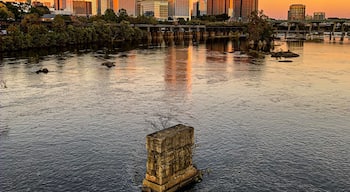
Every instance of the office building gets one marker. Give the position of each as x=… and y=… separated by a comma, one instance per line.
x=103, y=5
x=156, y=8
x=66, y=5
x=319, y=16
x=60, y=4
x=202, y=7
x=180, y=9
x=128, y=5
x=82, y=8
x=296, y=12
x=244, y=8
x=218, y=7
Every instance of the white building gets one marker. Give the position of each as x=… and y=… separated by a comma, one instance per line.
x=180, y=9
x=159, y=8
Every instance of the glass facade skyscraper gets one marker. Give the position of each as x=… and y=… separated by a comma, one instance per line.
x=218, y=7
x=296, y=12
x=243, y=8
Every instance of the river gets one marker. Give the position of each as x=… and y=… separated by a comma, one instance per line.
x=260, y=125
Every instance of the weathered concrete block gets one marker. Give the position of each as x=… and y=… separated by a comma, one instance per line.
x=169, y=159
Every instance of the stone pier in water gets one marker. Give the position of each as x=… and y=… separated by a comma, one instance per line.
x=169, y=159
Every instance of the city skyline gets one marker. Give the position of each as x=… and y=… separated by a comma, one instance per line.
x=279, y=9
x=273, y=9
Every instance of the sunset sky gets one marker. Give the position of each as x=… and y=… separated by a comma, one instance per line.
x=278, y=9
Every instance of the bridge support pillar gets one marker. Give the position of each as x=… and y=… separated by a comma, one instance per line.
x=169, y=159
x=342, y=32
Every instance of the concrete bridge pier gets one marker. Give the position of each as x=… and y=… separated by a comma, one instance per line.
x=286, y=34
x=342, y=32
x=310, y=32
x=149, y=37
x=333, y=32
x=205, y=35
x=188, y=34
x=169, y=160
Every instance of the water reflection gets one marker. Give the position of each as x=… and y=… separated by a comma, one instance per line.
x=4, y=130
x=178, y=70
x=219, y=45
x=295, y=45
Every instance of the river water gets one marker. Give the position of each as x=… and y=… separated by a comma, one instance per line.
x=260, y=125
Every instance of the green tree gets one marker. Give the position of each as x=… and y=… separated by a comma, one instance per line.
x=16, y=12
x=59, y=35
x=122, y=15
x=103, y=30
x=110, y=15
x=222, y=17
x=59, y=24
x=143, y=20
x=16, y=35
x=5, y=13
x=126, y=32
x=28, y=20
x=39, y=34
x=259, y=30
x=40, y=10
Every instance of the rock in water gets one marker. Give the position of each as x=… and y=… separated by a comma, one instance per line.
x=285, y=54
x=108, y=64
x=286, y=61
x=44, y=70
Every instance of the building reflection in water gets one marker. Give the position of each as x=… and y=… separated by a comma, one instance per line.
x=222, y=46
x=216, y=50
x=178, y=71
x=295, y=45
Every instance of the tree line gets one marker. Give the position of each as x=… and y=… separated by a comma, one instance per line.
x=32, y=32
x=29, y=31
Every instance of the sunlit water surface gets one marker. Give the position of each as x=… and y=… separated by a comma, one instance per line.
x=259, y=125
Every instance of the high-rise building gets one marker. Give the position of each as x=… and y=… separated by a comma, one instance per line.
x=244, y=8
x=199, y=8
x=128, y=5
x=195, y=9
x=296, y=12
x=115, y=5
x=66, y=5
x=156, y=8
x=93, y=7
x=82, y=8
x=218, y=7
x=103, y=5
x=319, y=16
x=60, y=4
x=180, y=9
x=202, y=7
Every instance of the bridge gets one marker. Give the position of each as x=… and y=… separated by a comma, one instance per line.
x=312, y=27
x=199, y=28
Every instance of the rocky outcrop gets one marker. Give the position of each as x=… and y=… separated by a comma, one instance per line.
x=285, y=54
x=108, y=64
x=43, y=70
